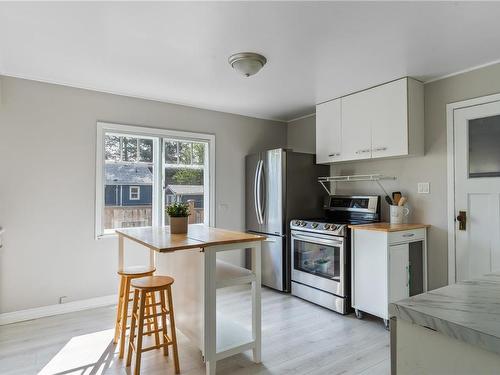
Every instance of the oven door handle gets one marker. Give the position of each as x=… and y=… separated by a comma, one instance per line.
x=317, y=240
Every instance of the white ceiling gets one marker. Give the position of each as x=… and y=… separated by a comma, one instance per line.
x=177, y=52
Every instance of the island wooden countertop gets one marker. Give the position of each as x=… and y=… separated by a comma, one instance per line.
x=198, y=236
x=388, y=227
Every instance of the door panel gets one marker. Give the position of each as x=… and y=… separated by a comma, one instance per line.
x=272, y=262
x=328, y=132
x=398, y=272
x=390, y=121
x=357, y=113
x=271, y=191
x=251, y=209
x=477, y=190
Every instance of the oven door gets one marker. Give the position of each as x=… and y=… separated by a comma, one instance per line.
x=319, y=261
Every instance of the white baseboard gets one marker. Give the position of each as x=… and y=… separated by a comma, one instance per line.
x=40, y=312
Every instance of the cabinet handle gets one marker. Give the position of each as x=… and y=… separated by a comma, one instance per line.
x=379, y=149
x=408, y=269
x=363, y=151
x=408, y=235
x=334, y=154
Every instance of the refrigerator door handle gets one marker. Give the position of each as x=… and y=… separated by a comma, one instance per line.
x=262, y=197
x=256, y=193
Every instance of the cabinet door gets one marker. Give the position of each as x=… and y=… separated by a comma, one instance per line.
x=390, y=119
x=328, y=132
x=356, y=125
x=399, y=279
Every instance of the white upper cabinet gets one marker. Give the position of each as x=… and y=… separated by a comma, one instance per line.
x=384, y=121
x=356, y=128
x=328, y=132
x=389, y=120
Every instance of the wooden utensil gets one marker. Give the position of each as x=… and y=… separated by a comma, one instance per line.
x=396, y=196
x=402, y=201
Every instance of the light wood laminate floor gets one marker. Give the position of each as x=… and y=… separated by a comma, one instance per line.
x=297, y=338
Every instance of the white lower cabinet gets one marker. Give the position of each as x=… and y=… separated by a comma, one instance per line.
x=386, y=267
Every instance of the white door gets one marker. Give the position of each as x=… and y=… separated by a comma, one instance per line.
x=328, y=132
x=399, y=273
x=390, y=119
x=357, y=115
x=477, y=189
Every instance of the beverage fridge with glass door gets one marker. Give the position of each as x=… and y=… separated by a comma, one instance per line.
x=281, y=185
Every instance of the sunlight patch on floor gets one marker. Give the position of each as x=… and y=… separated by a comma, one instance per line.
x=86, y=354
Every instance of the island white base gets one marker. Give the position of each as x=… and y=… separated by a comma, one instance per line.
x=419, y=350
x=198, y=274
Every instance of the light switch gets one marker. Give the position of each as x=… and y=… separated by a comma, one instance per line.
x=423, y=188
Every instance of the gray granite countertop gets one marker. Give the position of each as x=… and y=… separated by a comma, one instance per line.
x=468, y=311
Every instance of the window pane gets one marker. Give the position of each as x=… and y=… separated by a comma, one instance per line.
x=128, y=190
x=129, y=149
x=112, y=147
x=198, y=153
x=185, y=181
x=184, y=153
x=484, y=150
x=171, y=152
x=146, y=150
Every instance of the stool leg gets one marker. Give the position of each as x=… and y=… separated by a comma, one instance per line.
x=172, y=327
x=119, y=311
x=140, y=333
x=133, y=323
x=155, y=319
x=126, y=293
x=164, y=332
x=149, y=311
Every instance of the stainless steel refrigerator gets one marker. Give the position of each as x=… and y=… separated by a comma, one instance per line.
x=281, y=185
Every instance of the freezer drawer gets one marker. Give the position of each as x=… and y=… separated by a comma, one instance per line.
x=272, y=258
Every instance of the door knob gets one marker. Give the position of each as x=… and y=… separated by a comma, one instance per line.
x=462, y=220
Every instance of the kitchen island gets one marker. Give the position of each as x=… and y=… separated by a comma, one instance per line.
x=191, y=259
x=450, y=330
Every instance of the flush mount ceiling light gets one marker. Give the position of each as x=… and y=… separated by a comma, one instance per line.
x=247, y=63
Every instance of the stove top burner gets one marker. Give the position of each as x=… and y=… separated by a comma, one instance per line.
x=319, y=226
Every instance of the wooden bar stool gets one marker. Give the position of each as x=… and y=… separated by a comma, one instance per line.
x=141, y=312
x=126, y=276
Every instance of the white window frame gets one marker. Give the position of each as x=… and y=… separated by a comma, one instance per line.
x=158, y=135
x=130, y=193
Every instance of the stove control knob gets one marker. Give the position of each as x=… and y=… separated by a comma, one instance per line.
x=326, y=226
x=314, y=225
x=296, y=222
x=304, y=223
x=334, y=227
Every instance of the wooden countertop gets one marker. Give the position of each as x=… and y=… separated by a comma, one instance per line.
x=388, y=227
x=198, y=236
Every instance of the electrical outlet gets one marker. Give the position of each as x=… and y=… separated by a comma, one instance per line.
x=63, y=299
x=423, y=188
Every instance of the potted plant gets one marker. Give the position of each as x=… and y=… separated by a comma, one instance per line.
x=178, y=213
x=322, y=265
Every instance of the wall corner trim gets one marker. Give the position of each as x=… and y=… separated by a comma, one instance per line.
x=44, y=311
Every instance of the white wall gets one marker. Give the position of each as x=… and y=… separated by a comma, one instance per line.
x=301, y=135
x=431, y=208
x=47, y=184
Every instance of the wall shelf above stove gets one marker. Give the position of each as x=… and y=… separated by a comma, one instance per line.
x=354, y=178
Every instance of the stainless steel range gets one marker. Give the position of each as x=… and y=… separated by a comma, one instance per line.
x=321, y=250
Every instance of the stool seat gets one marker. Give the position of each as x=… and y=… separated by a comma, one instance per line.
x=150, y=283
x=137, y=271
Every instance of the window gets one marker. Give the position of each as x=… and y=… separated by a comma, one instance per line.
x=142, y=170
x=484, y=153
x=134, y=193
x=184, y=178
